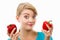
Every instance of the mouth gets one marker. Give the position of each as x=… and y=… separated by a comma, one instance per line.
x=30, y=25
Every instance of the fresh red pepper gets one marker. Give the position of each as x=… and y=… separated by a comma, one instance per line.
x=11, y=27
x=45, y=26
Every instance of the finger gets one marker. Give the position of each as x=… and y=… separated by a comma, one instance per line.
x=44, y=31
x=8, y=34
x=48, y=26
x=50, y=30
x=17, y=34
x=12, y=32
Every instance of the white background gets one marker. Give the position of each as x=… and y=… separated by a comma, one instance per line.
x=47, y=10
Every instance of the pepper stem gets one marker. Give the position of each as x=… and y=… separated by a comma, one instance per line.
x=49, y=21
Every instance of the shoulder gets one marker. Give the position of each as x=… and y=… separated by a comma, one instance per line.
x=41, y=36
x=40, y=33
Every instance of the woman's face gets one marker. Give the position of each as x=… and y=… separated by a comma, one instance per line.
x=27, y=19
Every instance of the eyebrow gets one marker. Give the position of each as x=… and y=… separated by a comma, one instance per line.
x=26, y=13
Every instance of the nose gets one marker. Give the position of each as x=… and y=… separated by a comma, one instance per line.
x=31, y=20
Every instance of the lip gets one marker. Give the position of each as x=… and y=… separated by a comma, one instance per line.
x=30, y=24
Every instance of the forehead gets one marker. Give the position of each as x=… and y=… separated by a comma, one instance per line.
x=28, y=12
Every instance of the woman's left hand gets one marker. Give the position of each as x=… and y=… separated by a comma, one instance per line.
x=47, y=33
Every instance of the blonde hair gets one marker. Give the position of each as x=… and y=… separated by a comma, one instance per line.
x=23, y=6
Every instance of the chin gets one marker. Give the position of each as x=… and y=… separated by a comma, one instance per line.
x=28, y=28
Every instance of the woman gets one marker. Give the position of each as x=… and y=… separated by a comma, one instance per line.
x=26, y=16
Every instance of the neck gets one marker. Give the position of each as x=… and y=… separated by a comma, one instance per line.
x=25, y=33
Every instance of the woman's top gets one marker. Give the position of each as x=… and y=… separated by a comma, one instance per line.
x=40, y=36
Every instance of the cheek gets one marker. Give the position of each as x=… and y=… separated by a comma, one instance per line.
x=34, y=21
x=24, y=21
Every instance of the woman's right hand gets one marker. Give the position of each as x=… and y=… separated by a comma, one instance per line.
x=13, y=36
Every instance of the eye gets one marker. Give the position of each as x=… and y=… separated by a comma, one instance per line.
x=26, y=17
x=34, y=16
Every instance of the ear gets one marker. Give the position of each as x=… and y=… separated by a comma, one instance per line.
x=17, y=17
